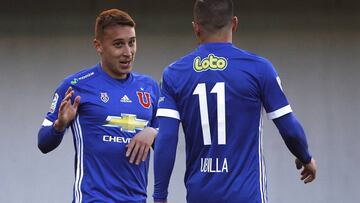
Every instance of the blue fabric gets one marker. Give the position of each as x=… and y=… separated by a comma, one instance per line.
x=294, y=136
x=166, y=152
x=218, y=91
x=110, y=113
x=49, y=138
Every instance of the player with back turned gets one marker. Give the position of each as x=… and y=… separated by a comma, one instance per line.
x=218, y=92
x=111, y=112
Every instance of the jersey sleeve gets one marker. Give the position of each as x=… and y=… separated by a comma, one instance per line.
x=166, y=141
x=48, y=137
x=59, y=94
x=167, y=105
x=272, y=95
x=294, y=136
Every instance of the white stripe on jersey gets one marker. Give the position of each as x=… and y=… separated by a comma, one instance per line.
x=262, y=176
x=280, y=112
x=47, y=122
x=79, y=160
x=168, y=113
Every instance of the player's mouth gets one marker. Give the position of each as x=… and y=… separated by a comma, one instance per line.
x=125, y=63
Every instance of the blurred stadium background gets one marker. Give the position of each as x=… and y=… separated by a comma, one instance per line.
x=314, y=44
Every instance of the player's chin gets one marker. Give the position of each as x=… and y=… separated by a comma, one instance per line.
x=125, y=69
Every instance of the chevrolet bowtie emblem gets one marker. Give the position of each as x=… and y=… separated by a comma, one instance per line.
x=126, y=122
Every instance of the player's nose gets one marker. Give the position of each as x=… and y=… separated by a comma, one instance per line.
x=127, y=51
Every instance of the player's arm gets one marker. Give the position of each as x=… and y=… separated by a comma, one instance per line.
x=294, y=137
x=164, y=156
x=51, y=133
x=139, y=147
x=167, y=139
x=279, y=110
x=49, y=138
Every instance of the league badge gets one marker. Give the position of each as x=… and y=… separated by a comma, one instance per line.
x=104, y=97
x=53, y=103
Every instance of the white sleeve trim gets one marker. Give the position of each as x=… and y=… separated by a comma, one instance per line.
x=46, y=122
x=168, y=113
x=280, y=112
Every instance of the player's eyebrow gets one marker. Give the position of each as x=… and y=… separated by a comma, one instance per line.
x=124, y=40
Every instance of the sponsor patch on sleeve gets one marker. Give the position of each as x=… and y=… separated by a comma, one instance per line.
x=54, y=103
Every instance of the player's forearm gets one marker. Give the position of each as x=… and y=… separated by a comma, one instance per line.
x=49, y=138
x=164, y=156
x=294, y=136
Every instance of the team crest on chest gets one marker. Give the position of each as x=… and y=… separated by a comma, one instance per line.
x=144, y=99
x=104, y=97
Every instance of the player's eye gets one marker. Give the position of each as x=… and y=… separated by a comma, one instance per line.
x=132, y=43
x=118, y=44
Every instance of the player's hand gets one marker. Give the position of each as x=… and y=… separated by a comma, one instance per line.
x=140, y=144
x=308, y=171
x=67, y=110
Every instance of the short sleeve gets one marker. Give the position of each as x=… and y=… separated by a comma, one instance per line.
x=272, y=95
x=167, y=101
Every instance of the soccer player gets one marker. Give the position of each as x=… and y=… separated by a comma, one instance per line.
x=217, y=92
x=111, y=112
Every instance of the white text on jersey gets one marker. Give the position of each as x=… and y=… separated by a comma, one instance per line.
x=211, y=62
x=214, y=165
x=108, y=138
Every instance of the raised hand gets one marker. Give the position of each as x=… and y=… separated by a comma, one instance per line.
x=67, y=110
x=308, y=172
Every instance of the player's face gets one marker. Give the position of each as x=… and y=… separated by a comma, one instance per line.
x=117, y=49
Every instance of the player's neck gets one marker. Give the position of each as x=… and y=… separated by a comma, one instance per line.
x=112, y=73
x=216, y=38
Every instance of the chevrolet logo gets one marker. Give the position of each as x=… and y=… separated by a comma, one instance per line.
x=126, y=122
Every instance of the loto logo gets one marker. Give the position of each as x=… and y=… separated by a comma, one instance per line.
x=211, y=62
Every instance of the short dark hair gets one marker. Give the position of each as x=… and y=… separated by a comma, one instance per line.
x=213, y=15
x=110, y=18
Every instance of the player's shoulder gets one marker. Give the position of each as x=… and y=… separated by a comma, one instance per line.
x=258, y=63
x=183, y=61
x=253, y=57
x=82, y=76
x=181, y=64
x=143, y=78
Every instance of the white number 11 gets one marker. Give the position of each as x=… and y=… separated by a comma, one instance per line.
x=219, y=89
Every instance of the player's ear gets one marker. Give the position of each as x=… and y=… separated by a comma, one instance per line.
x=196, y=29
x=234, y=24
x=97, y=46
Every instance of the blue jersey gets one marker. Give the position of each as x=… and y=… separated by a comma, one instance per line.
x=110, y=113
x=218, y=92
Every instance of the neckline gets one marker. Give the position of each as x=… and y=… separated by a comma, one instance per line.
x=127, y=80
x=215, y=44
